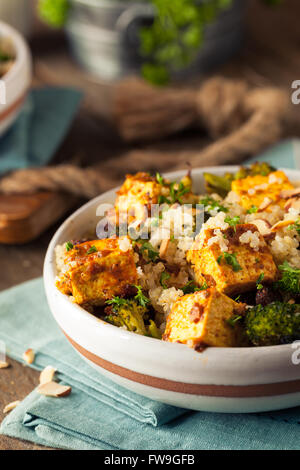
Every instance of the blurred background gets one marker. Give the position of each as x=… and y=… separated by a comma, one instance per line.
x=64, y=75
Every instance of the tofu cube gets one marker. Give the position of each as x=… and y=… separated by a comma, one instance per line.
x=202, y=319
x=136, y=195
x=98, y=270
x=262, y=191
x=236, y=270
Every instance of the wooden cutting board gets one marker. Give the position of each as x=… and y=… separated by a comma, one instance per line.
x=24, y=217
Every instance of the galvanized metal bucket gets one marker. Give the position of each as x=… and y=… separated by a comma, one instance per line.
x=104, y=36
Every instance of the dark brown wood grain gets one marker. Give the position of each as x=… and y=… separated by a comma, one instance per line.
x=270, y=55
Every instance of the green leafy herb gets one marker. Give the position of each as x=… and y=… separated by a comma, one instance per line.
x=253, y=209
x=69, y=246
x=234, y=319
x=116, y=303
x=91, y=250
x=210, y=204
x=290, y=280
x=192, y=287
x=295, y=226
x=177, y=191
x=160, y=179
x=151, y=252
x=164, y=200
x=232, y=221
x=259, y=285
x=237, y=298
x=141, y=299
x=230, y=258
x=164, y=277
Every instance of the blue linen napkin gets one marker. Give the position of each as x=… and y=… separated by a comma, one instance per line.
x=101, y=415
x=37, y=133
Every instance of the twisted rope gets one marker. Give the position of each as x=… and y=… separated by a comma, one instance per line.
x=243, y=121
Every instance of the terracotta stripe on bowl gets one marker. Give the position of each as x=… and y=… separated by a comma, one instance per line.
x=15, y=105
x=226, y=391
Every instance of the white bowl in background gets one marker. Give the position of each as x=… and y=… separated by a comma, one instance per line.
x=16, y=82
x=237, y=380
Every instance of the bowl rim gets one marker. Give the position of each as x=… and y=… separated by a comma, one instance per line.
x=49, y=274
x=22, y=51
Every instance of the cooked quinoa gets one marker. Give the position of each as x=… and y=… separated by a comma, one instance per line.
x=252, y=228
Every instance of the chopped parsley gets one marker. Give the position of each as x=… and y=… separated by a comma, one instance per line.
x=151, y=252
x=91, y=250
x=141, y=299
x=253, y=209
x=210, y=204
x=259, y=285
x=230, y=258
x=295, y=226
x=164, y=277
x=192, y=287
x=234, y=319
x=232, y=221
x=290, y=280
x=69, y=246
x=116, y=303
x=160, y=179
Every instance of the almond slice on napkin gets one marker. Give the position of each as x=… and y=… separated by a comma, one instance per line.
x=47, y=375
x=11, y=406
x=53, y=389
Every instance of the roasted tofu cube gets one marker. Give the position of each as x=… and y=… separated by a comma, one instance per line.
x=238, y=269
x=136, y=195
x=205, y=318
x=262, y=191
x=97, y=270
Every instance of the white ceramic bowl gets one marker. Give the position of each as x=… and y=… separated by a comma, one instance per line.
x=218, y=379
x=15, y=84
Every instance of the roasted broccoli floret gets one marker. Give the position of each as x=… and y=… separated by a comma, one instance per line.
x=290, y=279
x=276, y=323
x=126, y=313
x=222, y=184
x=132, y=314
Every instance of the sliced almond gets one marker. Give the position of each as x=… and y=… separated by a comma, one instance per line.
x=47, y=375
x=263, y=226
x=293, y=202
x=11, y=406
x=4, y=365
x=266, y=202
x=29, y=356
x=53, y=389
x=281, y=224
x=287, y=193
x=164, y=248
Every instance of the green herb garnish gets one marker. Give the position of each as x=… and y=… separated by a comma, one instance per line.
x=295, y=226
x=253, y=209
x=234, y=319
x=230, y=258
x=290, y=280
x=259, y=286
x=141, y=299
x=232, y=221
x=91, y=250
x=164, y=277
x=160, y=179
x=192, y=287
x=151, y=252
x=69, y=246
x=116, y=303
x=210, y=204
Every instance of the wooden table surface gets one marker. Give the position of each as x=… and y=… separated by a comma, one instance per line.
x=270, y=55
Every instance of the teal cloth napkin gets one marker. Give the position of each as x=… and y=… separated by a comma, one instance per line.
x=101, y=415
x=37, y=133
